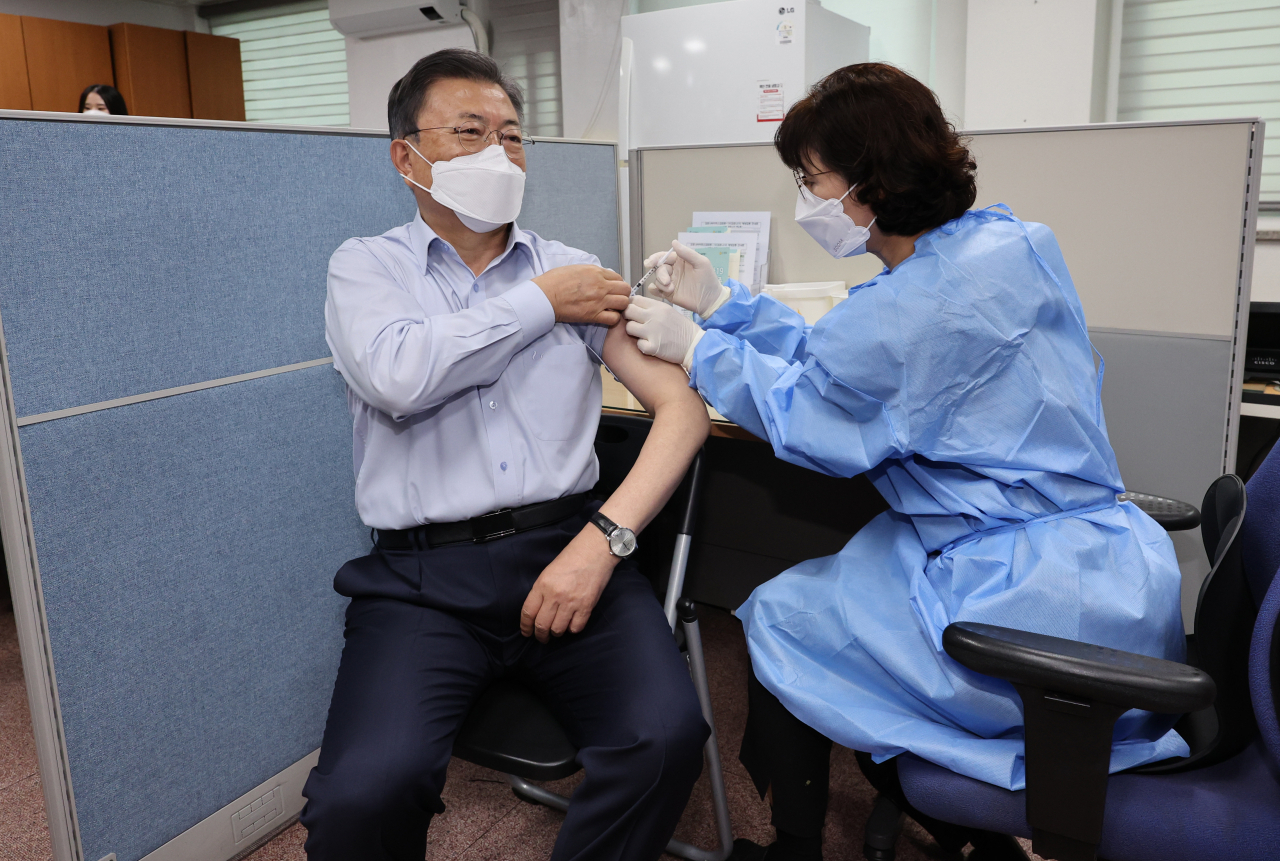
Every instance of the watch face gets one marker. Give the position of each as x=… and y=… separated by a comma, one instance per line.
x=622, y=542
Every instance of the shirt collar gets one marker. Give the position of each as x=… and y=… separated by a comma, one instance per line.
x=422, y=237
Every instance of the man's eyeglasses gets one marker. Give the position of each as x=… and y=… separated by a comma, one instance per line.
x=475, y=138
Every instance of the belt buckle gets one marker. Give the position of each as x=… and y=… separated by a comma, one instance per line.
x=502, y=516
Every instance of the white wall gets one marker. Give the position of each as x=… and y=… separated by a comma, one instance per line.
x=925, y=38
x=105, y=12
x=374, y=65
x=901, y=32
x=590, y=41
x=1030, y=62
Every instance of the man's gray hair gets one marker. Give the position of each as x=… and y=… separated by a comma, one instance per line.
x=410, y=92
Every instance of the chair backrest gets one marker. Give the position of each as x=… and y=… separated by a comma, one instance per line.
x=1264, y=671
x=1260, y=545
x=1225, y=614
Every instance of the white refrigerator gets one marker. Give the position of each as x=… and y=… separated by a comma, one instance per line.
x=722, y=73
x=726, y=72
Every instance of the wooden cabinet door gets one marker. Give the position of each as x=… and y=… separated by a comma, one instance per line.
x=151, y=70
x=62, y=59
x=15, y=88
x=217, y=82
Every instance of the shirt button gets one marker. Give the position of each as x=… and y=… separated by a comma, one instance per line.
x=493, y=405
x=475, y=287
x=503, y=466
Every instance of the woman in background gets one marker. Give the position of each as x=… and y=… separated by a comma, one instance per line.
x=102, y=99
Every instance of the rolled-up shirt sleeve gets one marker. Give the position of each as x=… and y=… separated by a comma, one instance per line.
x=402, y=361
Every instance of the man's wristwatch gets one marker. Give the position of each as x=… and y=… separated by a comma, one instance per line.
x=622, y=541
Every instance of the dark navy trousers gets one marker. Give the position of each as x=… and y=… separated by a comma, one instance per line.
x=427, y=630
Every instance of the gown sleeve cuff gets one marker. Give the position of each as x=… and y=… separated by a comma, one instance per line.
x=704, y=350
x=734, y=311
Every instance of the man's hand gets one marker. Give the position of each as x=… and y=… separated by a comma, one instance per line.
x=566, y=592
x=584, y=293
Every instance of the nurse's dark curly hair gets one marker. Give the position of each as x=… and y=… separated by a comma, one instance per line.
x=885, y=132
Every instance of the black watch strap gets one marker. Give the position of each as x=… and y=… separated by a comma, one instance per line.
x=605, y=524
x=622, y=541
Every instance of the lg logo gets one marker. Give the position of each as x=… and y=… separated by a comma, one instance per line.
x=784, y=10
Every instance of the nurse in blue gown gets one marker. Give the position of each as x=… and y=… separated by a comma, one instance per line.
x=961, y=380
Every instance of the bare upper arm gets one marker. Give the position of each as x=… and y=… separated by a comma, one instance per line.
x=651, y=380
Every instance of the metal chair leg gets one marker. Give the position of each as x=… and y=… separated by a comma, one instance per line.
x=535, y=794
x=719, y=798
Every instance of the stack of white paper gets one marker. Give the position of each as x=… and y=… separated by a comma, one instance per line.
x=756, y=273
x=743, y=243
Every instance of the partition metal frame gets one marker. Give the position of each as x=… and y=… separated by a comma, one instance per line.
x=1248, y=227
x=22, y=559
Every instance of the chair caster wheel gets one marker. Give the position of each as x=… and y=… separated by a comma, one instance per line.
x=884, y=825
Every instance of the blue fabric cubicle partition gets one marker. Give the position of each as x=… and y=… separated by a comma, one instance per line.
x=185, y=545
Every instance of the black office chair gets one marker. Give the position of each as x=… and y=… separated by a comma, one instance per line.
x=1224, y=621
x=1072, y=694
x=1172, y=514
x=510, y=730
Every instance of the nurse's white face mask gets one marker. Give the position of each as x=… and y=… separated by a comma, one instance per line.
x=830, y=226
x=485, y=188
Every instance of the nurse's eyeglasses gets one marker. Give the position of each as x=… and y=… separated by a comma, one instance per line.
x=476, y=137
x=803, y=179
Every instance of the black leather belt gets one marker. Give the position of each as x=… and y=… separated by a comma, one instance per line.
x=486, y=527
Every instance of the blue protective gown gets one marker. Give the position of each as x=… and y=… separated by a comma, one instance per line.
x=963, y=383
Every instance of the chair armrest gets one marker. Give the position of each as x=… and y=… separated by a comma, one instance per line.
x=1078, y=669
x=1072, y=694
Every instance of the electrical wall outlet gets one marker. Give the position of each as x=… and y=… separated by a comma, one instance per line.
x=258, y=815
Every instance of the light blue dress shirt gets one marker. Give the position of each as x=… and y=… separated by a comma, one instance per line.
x=467, y=396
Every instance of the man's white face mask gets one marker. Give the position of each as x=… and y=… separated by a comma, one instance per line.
x=485, y=188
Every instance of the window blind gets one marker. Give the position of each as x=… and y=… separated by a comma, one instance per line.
x=294, y=64
x=526, y=44
x=1204, y=59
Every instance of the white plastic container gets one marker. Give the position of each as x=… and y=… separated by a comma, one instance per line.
x=811, y=299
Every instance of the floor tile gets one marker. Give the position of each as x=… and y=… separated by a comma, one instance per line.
x=24, y=834
x=527, y=833
x=17, y=741
x=475, y=799
x=285, y=846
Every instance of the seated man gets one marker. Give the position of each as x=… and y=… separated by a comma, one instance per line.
x=466, y=344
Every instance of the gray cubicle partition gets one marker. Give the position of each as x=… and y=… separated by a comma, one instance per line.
x=1156, y=222
x=175, y=464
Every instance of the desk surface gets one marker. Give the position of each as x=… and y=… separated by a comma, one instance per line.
x=1262, y=411
x=618, y=400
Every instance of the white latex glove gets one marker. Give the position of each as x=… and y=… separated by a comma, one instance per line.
x=662, y=331
x=689, y=280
